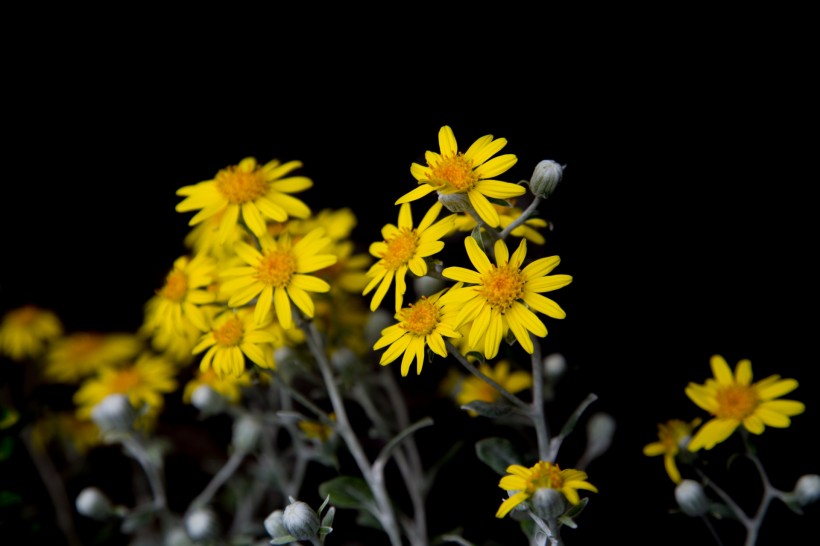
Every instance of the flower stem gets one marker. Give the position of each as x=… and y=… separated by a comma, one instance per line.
x=476, y=372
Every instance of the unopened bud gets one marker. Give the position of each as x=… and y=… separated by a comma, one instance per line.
x=455, y=202
x=202, y=525
x=300, y=520
x=114, y=414
x=274, y=524
x=343, y=358
x=545, y=178
x=691, y=498
x=807, y=489
x=177, y=537
x=600, y=430
x=246, y=432
x=554, y=366
x=92, y=503
x=207, y=400
x=548, y=503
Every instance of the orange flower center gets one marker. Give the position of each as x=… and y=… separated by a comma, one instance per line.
x=502, y=286
x=420, y=319
x=230, y=333
x=123, y=381
x=176, y=286
x=736, y=402
x=400, y=249
x=453, y=174
x=239, y=186
x=276, y=267
x=545, y=475
x=24, y=316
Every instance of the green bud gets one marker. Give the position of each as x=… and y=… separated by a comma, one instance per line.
x=807, y=489
x=274, y=524
x=300, y=520
x=114, y=414
x=691, y=498
x=246, y=432
x=92, y=503
x=545, y=178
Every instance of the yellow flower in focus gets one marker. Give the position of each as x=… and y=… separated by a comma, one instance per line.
x=405, y=247
x=673, y=436
x=420, y=325
x=529, y=230
x=470, y=173
x=144, y=381
x=257, y=192
x=77, y=356
x=234, y=336
x=734, y=400
x=472, y=388
x=230, y=387
x=25, y=331
x=277, y=275
x=502, y=296
x=177, y=303
x=524, y=482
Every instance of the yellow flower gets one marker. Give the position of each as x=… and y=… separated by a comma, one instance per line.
x=420, y=325
x=177, y=303
x=734, y=400
x=469, y=173
x=277, y=275
x=258, y=192
x=234, y=336
x=67, y=430
x=503, y=296
x=25, y=331
x=144, y=381
x=403, y=248
x=524, y=482
x=507, y=215
x=672, y=436
x=472, y=388
x=74, y=357
x=230, y=387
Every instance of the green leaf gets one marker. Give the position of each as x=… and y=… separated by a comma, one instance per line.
x=577, y=509
x=476, y=234
x=497, y=453
x=366, y=519
x=347, y=492
x=487, y=409
x=284, y=539
x=564, y=520
x=475, y=354
x=499, y=202
x=573, y=419
x=137, y=519
x=327, y=521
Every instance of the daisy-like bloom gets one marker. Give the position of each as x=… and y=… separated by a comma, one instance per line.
x=25, y=331
x=230, y=387
x=673, y=436
x=144, y=382
x=503, y=296
x=257, y=192
x=473, y=388
x=277, y=275
x=530, y=229
x=470, y=173
x=405, y=247
x=734, y=400
x=77, y=356
x=524, y=482
x=234, y=336
x=177, y=303
x=420, y=325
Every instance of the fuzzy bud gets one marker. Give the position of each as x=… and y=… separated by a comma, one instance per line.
x=548, y=503
x=246, y=432
x=807, y=489
x=177, y=537
x=455, y=202
x=300, y=520
x=545, y=178
x=92, y=503
x=555, y=365
x=600, y=430
x=691, y=498
x=114, y=414
x=343, y=358
x=207, y=400
x=201, y=525
x=274, y=524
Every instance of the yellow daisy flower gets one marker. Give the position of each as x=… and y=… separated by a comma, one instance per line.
x=420, y=325
x=257, y=192
x=25, y=331
x=470, y=173
x=502, y=297
x=734, y=400
x=472, y=388
x=230, y=387
x=276, y=275
x=524, y=482
x=234, y=336
x=405, y=247
x=177, y=303
x=530, y=229
x=79, y=355
x=673, y=436
x=144, y=381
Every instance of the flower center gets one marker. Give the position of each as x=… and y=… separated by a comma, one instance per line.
x=176, y=286
x=400, y=249
x=547, y=475
x=420, y=319
x=124, y=380
x=736, y=402
x=502, y=286
x=277, y=267
x=239, y=186
x=230, y=333
x=454, y=173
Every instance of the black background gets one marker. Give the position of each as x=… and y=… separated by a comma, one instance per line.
x=686, y=215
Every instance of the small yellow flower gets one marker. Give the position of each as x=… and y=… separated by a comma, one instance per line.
x=734, y=400
x=673, y=436
x=234, y=336
x=404, y=248
x=178, y=302
x=470, y=173
x=257, y=192
x=277, y=275
x=472, y=388
x=503, y=296
x=79, y=355
x=420, y=325
x=25, y=331
x=229, y=387
x=524, y=482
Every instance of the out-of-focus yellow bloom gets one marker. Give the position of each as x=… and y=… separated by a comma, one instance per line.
x=471, y=388
x=25, y=332
x=72, y=358
x=234, y=336
x=673, y=436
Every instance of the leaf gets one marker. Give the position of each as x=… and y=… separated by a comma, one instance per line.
x=577, y=508
x=347, y=492
x=497, y=453
x=476, y=234
x=499, y=202
x=327, y=521
x=487, y=409
x=137, y=519
x=284, y=539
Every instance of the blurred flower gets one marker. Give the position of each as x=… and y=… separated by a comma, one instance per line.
x=673, y=436
x=470, y=173
x=523, y=482
x=77, y=356
x=25, y=331
x=471, y=388
x=228, y=386
x=735, y=400
x=177, y=303
x=233, y=336
x=72, y=433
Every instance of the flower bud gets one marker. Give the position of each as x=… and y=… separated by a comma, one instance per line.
x=807, y=489
x=201, y=525
x=274, y=524
x=114, y=414
x=455, y=202
x=92, y=503
x=207, y=400
x=600, y=429
x=691, y=498
x=177, y=536
x=246, y=432
x=554, y=366
x=343, y=358
x=300, y=520
x=548, y=503
x=545, y=178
